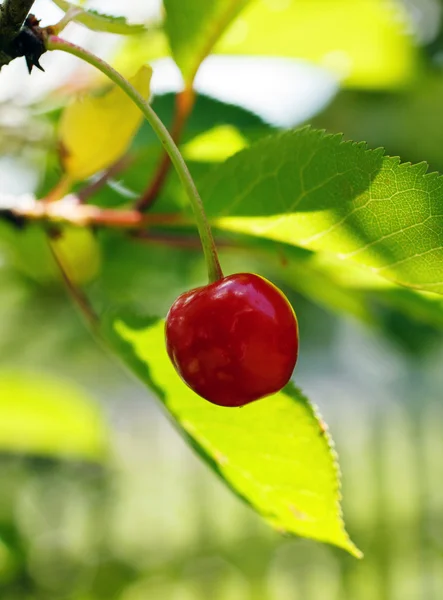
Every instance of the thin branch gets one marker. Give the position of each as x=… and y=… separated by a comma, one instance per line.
x=12, y=16
x=70, y=211
x=77, y=295
x=215, y=272
x=184, y=103
x=185, y=100
x=92, y=188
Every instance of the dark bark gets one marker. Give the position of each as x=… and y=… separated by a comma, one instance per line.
x=12, y=15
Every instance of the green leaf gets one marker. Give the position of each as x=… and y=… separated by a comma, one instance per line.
x=99, y=22
x=194, y=26
x=363, y=42
x=28, y=250
x=275, y=453
x=403, y=315
x=43, y=415
x=145, y=151
x=395, y=121
x=311, y=189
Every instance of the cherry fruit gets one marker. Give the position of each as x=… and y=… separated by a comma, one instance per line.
x=233, y=341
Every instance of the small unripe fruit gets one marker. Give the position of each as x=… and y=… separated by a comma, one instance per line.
x=233, y=341
x=27, y=249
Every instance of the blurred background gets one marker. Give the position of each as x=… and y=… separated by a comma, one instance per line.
x=100, y=499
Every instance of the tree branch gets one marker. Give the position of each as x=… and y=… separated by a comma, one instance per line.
x=22, y=209
x=12, y=16
x=184, y=103
x=80, y=299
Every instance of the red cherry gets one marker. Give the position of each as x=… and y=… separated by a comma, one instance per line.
x=233, y=341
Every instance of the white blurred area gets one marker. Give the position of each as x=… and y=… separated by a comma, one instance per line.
x=282, y=91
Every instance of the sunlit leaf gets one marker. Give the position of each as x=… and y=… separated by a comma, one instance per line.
x=211, y=122
x=96, y=130
x=410, y=318
x=274, y=453
x=215, y=145
x=98, y=21
x=43, y=415
x=311, y=189
x=194, y=26
x=364, y=42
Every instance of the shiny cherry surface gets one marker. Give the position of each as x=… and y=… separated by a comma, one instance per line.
x=233, y=341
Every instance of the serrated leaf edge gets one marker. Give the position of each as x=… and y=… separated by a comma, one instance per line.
x=98, y=21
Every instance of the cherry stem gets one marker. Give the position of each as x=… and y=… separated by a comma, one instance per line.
x=214, y=269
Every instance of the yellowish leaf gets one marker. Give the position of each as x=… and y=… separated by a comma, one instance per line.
x=95, y=131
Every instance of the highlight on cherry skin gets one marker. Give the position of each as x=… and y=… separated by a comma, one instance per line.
x=233, y=341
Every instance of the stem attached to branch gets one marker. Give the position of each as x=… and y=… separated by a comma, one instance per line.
x=69, y=16
x=214, y=270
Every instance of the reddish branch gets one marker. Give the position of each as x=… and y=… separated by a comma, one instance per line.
x=70, y=211
x=77, y=295
x=89, y=190
x=184, y=103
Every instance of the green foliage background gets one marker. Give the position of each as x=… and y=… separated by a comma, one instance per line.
x=353, y=237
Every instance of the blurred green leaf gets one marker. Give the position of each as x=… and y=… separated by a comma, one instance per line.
x=145, y=152
x=411, y=318
x=99, y=22
x=402, y=122
x=364, y=42
x=28, y=251
x=43, y=415
x=136, y=50
x=145, y=275
x=194, y=26
x=274, y=453
x=311, y=189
